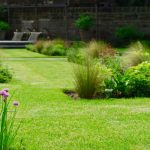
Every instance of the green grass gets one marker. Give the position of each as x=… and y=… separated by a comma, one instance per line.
x=23, y=53
x=17, y=53
x=53, y=121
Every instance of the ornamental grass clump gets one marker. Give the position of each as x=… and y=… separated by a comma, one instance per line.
x=7, y=119
x=86, y=80
x=89, y=78
x=136, y=54
x=100, y=49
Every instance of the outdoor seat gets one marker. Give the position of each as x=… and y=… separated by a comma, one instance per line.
x=18, y=36
x=17, y=42
x=34, y=36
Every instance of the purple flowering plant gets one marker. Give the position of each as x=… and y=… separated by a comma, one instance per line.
x=7, y=131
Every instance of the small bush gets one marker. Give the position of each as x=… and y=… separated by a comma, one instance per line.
x=127, y=34
x=30, y=47
x=52, y=48
x=47, y=46
x=137, y=81
x=57, y=50
x=5, y=75
x=39, y=46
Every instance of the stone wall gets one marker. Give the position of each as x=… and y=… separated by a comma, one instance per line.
x=60, y=21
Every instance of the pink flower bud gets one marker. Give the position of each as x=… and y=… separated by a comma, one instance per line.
x=16, y=104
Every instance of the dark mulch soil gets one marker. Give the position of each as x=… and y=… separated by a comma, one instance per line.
x=72, y=94
x=75, y=96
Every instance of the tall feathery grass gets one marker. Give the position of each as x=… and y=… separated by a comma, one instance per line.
x=136, y=54
x=97, y=49
x=86, y=80
x=89, y=78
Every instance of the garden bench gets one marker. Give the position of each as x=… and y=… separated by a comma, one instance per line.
x=17, y=42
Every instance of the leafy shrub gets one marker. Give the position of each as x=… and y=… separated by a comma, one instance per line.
x=126, y=34
x=137, y=80
x=39, y=46
x=115, y=81
x=57, y=50
x=47, y=46
x=53, y=48
x=84, y=22
x=5, y=75
x=4, y=26
x=59, y=41
x=89, y=79
x=30, y=47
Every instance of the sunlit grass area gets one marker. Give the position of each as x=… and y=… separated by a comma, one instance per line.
x=50, y=120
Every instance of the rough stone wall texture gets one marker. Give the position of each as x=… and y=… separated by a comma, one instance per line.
x=61, y=21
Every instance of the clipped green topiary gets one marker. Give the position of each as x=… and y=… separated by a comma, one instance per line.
x=84, y=22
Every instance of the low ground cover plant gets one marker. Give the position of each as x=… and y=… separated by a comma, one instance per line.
x=5, y=74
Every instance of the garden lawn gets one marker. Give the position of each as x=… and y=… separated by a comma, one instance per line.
x=50, y=120
x=21, y=53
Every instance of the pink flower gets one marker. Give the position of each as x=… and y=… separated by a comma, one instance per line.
x=4, y=93
x=16, y=104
